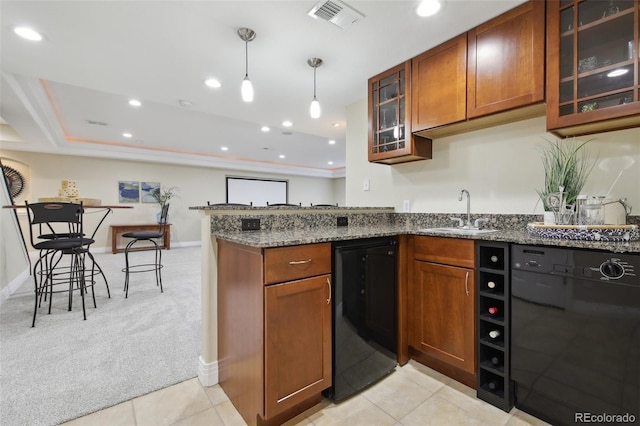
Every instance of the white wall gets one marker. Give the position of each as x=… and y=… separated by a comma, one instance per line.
x=499, y=166
x=98, y=178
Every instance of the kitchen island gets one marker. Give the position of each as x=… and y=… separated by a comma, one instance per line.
x=295, y=226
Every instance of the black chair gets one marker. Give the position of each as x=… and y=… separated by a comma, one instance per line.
x=283, y=205
x=56, y=230
x=324, y=205
x=146, y=236
x=230, y=204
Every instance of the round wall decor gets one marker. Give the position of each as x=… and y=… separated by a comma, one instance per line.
x=15, y=180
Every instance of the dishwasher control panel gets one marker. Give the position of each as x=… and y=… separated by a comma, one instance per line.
x=622, y=268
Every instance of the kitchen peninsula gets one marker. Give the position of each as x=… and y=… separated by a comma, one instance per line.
x=310, y=228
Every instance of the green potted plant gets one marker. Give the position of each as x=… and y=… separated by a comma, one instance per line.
x=162, y=196
x=567, y=165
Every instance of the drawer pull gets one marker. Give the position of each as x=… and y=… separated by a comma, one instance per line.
x=300, y=262
x=329, y=284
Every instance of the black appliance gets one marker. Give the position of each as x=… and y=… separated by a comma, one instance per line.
x=575, y=347
x=364, y=314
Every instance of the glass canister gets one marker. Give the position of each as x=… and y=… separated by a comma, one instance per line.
x=591, y=211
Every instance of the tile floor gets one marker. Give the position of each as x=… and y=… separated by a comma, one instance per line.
x=412, y=395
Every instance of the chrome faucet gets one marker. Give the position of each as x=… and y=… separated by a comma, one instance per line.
x=464, y=191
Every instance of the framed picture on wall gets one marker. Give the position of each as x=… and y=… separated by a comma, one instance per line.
x=148, y=191
x=128, y=191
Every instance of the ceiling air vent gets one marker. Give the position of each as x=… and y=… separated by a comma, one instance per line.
x=336, y=12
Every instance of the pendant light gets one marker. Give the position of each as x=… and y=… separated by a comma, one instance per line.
x=314, y=110
x=247, y=35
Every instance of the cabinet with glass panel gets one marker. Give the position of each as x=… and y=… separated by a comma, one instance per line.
x=592, y=66
x=390, y=138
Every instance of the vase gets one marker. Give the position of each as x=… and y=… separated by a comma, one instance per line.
x=549, y=218
x=159, y=217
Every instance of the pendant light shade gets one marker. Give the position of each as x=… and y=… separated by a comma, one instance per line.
x=247, y=35
x=314, y=109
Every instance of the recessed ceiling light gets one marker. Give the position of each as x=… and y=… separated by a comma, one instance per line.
x=265, y=129
x=428, y=7
x=281, y=155
x=134, y=102
x=224, y=148
x=127, y=135
x=287, y=123
x=212, y=82
x=330, y=163
x=618, y=72
x=332, y=142
x=28, y=33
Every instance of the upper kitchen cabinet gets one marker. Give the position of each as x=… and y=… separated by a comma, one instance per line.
x=505, y=61
x=491, y=75
x=439, y=85
x=593, y=82
x=390, y=138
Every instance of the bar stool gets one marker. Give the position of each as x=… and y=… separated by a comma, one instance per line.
x=63, y=236
x=146, y=236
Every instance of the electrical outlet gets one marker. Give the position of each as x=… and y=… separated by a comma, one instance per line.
x=342, y=221
x=250, y=224
x=406, y=206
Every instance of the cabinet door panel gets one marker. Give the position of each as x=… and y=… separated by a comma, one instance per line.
x=593, y=66
x=506, y=61
x=297, y=342
x=439, y=82
x=443, y=313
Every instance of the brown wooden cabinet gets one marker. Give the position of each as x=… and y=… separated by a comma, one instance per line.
x=274, y=331
x=298, y=342
x=491, y=75
x=439, y=85
x=390, y=138
x=442, y=308
x=593, y=77
x=505, y=61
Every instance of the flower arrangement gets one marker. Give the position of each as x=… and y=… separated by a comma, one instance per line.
x=566, y=165
x=164, y=194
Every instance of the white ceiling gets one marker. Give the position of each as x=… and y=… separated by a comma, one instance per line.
x=98, y=54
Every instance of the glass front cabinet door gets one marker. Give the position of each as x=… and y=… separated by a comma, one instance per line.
x=592, y=66
x=390, y=138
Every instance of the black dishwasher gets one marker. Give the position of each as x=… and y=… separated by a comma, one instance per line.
x=575, y=324
x=364, y=313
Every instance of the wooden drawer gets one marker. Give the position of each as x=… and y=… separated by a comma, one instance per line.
x=295, y=262
x=447, y=251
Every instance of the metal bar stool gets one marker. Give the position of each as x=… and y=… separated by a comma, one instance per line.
x=146, y=236
x=64, y=237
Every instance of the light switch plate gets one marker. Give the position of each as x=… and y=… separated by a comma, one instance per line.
x=406, y=206
x=365, y=185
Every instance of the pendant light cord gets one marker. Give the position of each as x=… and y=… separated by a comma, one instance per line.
x=246, y=59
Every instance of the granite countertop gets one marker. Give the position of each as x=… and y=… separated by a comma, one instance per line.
x=279, y=238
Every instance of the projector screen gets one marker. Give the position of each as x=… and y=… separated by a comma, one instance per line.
x=244, y=190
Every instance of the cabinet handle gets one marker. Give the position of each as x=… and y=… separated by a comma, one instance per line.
x=329, y=284
x=299, y=262
x=466, y=283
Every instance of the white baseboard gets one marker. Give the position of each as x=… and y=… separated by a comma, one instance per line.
x=207, y=372
x=13, y=285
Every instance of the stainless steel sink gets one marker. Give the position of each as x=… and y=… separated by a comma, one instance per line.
x=461, y=231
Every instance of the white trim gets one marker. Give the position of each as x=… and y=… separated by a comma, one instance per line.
x=207, y=372
x=13, y=285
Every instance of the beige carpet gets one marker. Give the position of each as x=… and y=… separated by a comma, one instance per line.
x=66, y=367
